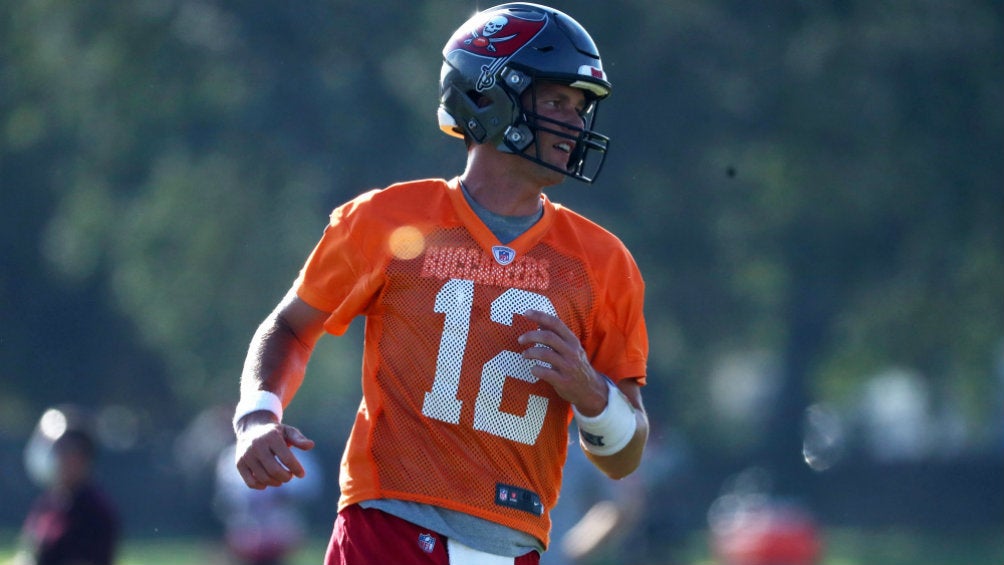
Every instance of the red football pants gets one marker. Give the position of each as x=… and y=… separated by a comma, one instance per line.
x=366, y=536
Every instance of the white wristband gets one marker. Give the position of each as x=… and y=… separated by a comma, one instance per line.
x=609, y=431
x=260, y=400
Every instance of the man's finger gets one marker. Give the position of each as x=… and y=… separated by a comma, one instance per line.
x=280, y=464
x=249, y=479
x=542, y=353
x=548, y=322
x=290, y=464
x=268, y=472
x=295, y=438
x=544, y=338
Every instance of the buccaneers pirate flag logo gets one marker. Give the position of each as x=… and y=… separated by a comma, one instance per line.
x=497, y=37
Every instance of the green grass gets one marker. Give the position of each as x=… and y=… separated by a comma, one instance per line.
x=887, y=547
x=180, y=551
x=900, y=547
x=208, y=552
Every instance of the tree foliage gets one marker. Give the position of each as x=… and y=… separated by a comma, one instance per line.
x=820, y=180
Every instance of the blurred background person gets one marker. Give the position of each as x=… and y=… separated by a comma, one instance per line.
x=598, y=521
x=593, y=515
x=751, y=525
x=72, y=522
x=264, y=527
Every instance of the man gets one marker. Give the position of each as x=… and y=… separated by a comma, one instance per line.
x=493, y=318
x=72, y=522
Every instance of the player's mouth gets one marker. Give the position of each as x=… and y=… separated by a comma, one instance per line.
x=564, y=147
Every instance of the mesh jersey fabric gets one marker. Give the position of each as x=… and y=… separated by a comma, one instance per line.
x=451, y=415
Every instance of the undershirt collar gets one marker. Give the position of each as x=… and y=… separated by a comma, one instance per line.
x=505, y=228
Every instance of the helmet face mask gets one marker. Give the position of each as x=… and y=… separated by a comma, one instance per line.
x=588, y=147
x=502, y=53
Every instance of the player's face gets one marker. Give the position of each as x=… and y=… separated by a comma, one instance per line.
x=563, y=106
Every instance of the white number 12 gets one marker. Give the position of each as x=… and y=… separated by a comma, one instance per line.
x=456, y=300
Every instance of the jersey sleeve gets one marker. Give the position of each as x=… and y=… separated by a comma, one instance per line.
x=339, y=276
x=620, y=348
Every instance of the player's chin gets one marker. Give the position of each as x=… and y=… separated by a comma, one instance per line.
x=558, y=161
x=548, y=166
x=551, y=177
x=545, y=175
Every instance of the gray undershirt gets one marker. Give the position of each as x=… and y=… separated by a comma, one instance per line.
x=471, y=531
x=505, y=228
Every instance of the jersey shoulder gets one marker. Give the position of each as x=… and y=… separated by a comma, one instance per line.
x=403, y=199
x=373, y=216
x=587, y=237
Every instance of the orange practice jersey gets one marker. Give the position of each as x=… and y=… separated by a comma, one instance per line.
x=451, y=415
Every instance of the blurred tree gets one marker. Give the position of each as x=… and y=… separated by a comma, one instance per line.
x=818, y=180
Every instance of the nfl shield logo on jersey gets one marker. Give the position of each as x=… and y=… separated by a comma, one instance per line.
x=503, y=255
x=427, y=542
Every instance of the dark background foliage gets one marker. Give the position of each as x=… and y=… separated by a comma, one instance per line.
x=813, y=191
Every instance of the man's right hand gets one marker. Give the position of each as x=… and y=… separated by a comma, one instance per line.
x=264, y=458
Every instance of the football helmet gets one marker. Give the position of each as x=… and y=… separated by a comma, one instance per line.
x=497, y=56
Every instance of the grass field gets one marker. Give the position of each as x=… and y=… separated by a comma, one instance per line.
x=843, y=547
x=176, y=551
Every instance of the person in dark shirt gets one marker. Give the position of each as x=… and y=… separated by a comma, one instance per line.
x=72, y=522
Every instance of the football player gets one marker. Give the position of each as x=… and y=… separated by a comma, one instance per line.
x=494, y=317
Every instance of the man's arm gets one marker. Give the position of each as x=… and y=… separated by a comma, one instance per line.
x=625, y=461
x=276, y=362
x=575, y=380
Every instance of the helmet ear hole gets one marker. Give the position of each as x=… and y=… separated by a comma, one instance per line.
x=480, y=100
x=471, y=115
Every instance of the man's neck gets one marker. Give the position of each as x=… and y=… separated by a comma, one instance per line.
x=506, y=184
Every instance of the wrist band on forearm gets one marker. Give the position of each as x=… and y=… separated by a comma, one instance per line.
x=609, y=431
x=260, y=400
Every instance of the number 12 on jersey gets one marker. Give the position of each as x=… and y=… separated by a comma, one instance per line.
x=456, y=300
